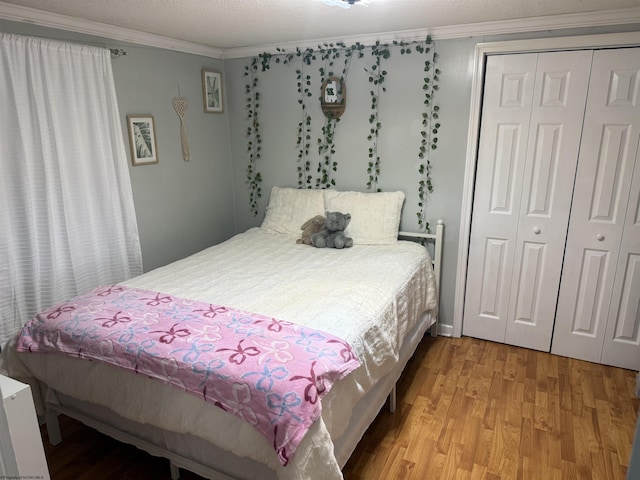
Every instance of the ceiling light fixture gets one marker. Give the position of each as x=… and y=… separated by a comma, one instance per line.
x=345, y=3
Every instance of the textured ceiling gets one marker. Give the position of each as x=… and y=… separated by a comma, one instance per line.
x=243, y=23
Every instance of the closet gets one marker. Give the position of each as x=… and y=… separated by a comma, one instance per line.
x=554, y=251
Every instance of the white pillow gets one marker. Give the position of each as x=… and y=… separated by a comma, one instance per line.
x=289, y=208
x=375, y=217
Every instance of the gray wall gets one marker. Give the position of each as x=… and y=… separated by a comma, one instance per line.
x=181, y=207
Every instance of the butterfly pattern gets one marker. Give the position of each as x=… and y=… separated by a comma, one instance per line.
x=270, y=372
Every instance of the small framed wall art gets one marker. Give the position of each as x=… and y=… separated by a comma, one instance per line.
x=142, y=139
x=212, y=91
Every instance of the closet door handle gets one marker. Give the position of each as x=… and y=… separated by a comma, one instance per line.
x=536, y=230
x=599, y=237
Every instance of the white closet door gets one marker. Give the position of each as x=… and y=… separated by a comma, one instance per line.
x=622, y=337
x=506, y=112
x=603, y=181
x=532, y=116
x=557, y=112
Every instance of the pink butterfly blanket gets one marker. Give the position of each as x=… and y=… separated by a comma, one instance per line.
x=269, y=372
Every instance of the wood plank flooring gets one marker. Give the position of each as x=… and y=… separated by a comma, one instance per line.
x=467, y=409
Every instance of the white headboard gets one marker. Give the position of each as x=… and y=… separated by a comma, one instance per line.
x=436, y=240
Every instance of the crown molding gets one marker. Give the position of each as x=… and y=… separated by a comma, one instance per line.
x=17, y=13
x=623, y=16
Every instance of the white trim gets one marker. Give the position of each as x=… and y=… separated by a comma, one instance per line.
x=18, y=13
x=445, y=330
x=622, y=16
x=482, y=50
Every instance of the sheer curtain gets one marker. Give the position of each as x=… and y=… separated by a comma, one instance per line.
x=67, y=217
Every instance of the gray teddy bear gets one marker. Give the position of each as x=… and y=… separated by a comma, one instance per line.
x=335, y=223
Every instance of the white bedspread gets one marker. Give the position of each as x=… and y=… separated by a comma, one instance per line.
x=368, y=295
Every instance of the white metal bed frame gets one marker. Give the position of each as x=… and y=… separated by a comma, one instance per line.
x=176, y=460
x=436, y=239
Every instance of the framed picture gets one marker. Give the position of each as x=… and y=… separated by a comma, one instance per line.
x=142, y=139
x=212, y=91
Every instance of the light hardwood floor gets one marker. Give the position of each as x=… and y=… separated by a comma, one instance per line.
x=467, y=409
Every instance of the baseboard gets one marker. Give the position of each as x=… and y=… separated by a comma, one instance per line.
x=445, y=330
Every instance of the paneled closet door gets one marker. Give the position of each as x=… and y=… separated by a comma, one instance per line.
x=560, y=94
x=532, y=118
x=506, y=112
x=622, y=337
x=603, y=184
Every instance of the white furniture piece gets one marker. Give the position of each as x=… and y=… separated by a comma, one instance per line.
x=554, y=247
x=21, y=450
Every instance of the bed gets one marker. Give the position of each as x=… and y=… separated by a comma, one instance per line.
x=379, y=297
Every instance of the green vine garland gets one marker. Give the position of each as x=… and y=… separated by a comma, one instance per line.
x=254, y=145
x=376, y=76
x=430, y=128
x=304, y=126
x=326, y=145
x=328, y=54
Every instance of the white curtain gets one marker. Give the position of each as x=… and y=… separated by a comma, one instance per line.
x=67, y=217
